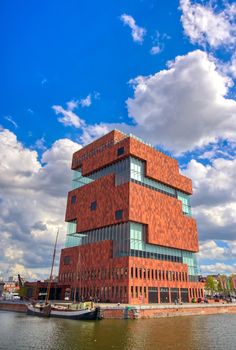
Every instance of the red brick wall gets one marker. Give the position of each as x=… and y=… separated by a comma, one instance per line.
x=100, y=157
x=159, y=166
x=98, y=256
x=109, y=198
x=167, y=225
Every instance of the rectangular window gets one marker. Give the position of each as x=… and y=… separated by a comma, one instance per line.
x=120, y=151
x=132, y=272
x=93, y=205
x=73, y=199
x=67, y=260
x=119, y=214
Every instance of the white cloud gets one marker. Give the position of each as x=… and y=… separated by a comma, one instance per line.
x=10, y=120
x=218, y=268
x=184, y=106
x=210, y=250
x=205, y=25
x=155, y=50
x=89, y=132
x=86, y=102
x=32, y=203
x=40, y=144
x=229, y=67
x=158, y=42
x=69, y=118
x=137, y=32
x=214, y=199
x=92, y=132
x=71, y=105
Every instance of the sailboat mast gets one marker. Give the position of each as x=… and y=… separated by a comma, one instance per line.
x=53, y=260
x=76, y=277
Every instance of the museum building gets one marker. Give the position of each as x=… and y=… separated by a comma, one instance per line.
x=131, y=235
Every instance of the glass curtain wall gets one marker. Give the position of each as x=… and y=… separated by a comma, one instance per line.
x=129, y=239
x=132, y=169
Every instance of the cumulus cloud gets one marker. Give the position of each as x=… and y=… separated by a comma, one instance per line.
x=137, y=32
x=205, y=25
x=32, y=203
x=92, y=132
x=214, y=199
x=184, y=106
x=218, y=268
x=229, y=67
x=210, y=250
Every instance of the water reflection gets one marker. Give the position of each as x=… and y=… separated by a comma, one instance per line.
x=18, y=331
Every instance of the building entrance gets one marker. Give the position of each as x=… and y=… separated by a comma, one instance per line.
x=174, y=292
x=184, y=295
x=164, y=295
x=152, y=295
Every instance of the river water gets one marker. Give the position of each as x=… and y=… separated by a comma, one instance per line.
x=18, y=332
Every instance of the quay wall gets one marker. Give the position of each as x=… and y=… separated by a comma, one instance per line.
x=10, y=306
x=132, y=312
x=144, y=311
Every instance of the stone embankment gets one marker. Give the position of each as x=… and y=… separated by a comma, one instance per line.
x=13, y=306
x=157, y=311
x=144, y=311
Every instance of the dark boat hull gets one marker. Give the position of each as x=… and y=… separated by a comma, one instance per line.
x=93, y=314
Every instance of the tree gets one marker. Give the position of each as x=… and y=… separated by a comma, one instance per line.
x=210, y=285
x=220, y=288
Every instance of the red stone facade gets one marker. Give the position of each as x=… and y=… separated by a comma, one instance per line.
x=167, y=225
x=91, y=269
x=93, y=272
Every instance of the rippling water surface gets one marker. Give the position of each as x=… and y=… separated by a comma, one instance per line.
x=18, y=331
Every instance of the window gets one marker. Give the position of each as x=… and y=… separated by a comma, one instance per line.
x=120, y=151
x=73, y=199
x=93, y=205
x=67, y=260
x=119, y=214
x=132, y=272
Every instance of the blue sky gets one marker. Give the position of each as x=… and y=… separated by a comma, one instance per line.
x=73, y=70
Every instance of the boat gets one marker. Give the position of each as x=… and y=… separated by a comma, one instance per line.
x=74, y=311
x=78, y=311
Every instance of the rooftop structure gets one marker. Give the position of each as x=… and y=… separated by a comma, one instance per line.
x=131, y=236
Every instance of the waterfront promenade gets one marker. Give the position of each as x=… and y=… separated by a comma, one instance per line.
x=126, y=311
